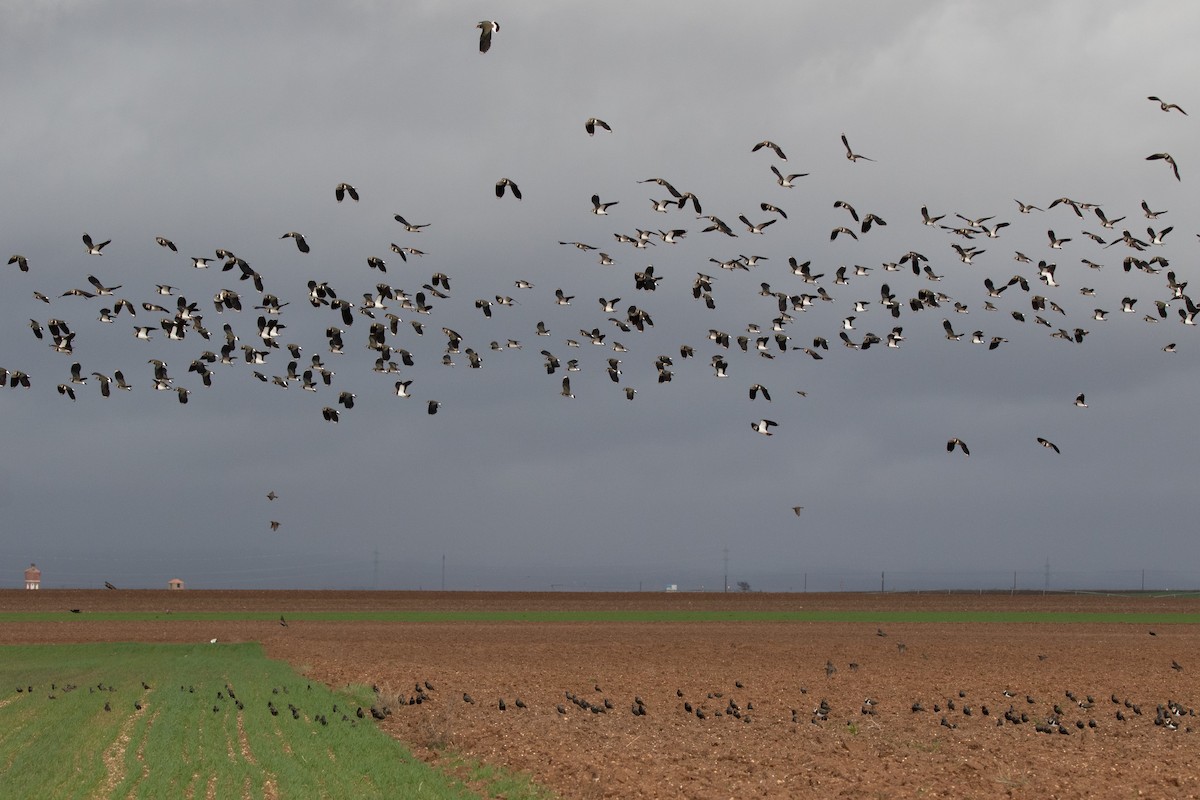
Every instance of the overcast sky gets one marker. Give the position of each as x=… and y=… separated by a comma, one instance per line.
x=226, y=125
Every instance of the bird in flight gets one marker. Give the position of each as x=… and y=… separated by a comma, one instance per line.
x=1048, y=444
x=764, y=426
x=960, y=444
x=1155, y=157
x=768, y=143
x=486, y=28
x=787, y=181
x=1165, y=106
x=850, y=154
x=505, y=183
x=343, y=189
x=593, y=123
x=92, y=248
x=301, y=244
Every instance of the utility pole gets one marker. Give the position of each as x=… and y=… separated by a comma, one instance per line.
x=375, y=576
x=726, y=551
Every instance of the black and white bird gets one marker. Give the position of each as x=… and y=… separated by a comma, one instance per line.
x=342, y=189
x=850, y=154
x=92, y=248
x=593, y=123
x=505, y=183
x=599, y=208
x=486, y=28
x=769, y=144
x=764, y=426
x=1048, y=444
x=1153, y=157
x=301, y=244
x=959, y=443
x=1165, y=106
x=787, y=181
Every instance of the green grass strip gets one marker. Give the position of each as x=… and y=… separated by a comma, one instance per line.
x=673, y=615
x=192, y=736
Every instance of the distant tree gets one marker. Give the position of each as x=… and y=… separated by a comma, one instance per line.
x=743, y=586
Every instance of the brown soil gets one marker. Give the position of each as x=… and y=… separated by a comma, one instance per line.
x=774, y=745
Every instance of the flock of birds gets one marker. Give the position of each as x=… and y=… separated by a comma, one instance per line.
x=388, y=320
x=1071, y=713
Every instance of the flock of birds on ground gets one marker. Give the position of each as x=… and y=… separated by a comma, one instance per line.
x=389, y=320
x=1068, y=714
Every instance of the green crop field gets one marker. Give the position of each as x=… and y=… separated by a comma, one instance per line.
x=155, y=721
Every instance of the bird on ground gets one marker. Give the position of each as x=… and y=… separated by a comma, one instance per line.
x=1165, y=106
x=342, y=189
x=506, y=183
x=593, y=123
x=1162, y=157
x=1048, y=444
x=92, y=248
x=486, y=28
x=960, y=444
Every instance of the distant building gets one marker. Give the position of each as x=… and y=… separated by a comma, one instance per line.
x=174, y=583
x=33, y=577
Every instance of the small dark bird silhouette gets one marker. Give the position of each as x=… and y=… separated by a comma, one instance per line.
x=282, y=621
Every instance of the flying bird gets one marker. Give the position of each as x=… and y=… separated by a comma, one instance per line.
x=786, y=181
x=599, y=208
x=92, y=248
x=1165, y=106
x=850, y=154
x=505, y=183
x=1049, y=444
x=960, y=444
x=301, y=244
x=486, y=28
x=1155, y=157
x=764, y=426
x=593, y=123
x=343, y=189
x=771, y=145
